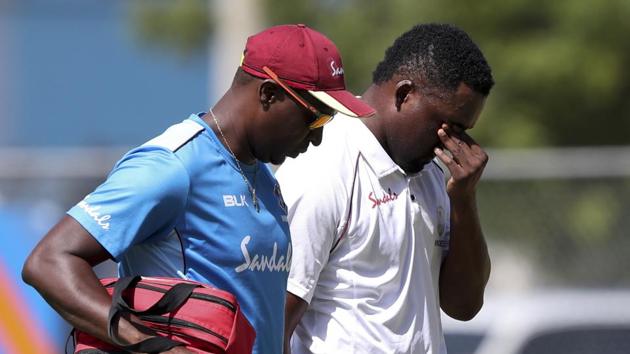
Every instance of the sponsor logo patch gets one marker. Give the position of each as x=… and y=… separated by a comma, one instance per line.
x=263, y=263
x=386, y=197
x=94, y=212
x=336, y=71
x=230, y=200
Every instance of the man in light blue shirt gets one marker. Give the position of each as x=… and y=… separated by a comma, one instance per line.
x=198, y=201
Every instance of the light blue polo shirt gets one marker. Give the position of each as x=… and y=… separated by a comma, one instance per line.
x=177, y=206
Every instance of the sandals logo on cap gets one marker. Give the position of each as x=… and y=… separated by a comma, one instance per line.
x=336, y=71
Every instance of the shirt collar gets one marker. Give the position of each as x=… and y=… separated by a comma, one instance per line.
x=221, y=148
x=372, y=150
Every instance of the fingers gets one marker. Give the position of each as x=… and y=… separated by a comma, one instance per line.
x=459, y=134
x=448, y=161
x=466, y=160
x=452, y=143
x=459, y=149
x=465, y=151
x=461, y=140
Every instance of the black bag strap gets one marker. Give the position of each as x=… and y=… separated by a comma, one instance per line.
x=171, y=300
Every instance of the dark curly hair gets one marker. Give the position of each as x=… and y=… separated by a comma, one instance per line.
x=441, y=55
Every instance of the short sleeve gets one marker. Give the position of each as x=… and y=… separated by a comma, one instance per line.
x=142, y=197
x=314, y=209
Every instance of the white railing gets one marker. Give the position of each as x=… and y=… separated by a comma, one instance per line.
x=578, y=162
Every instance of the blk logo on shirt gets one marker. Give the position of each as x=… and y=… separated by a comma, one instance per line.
x=234, y=201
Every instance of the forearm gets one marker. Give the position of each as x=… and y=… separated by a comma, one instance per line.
x=466, y=268
x=294, y=310
x=70, y=286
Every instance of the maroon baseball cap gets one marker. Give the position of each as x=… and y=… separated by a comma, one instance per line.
x=305, y=59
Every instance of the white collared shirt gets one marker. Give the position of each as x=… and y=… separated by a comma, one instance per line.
x=368, y=242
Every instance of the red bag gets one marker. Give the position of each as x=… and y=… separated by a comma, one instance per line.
x=201, y=318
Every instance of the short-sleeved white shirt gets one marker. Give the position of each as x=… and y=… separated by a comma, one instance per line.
x=368, y=242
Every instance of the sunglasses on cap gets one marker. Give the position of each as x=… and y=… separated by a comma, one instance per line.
x=320, y=119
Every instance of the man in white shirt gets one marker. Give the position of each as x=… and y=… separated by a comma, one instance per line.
x=380, y=241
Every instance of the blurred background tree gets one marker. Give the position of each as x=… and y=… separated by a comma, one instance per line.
x=183, y=25
x=561, y=67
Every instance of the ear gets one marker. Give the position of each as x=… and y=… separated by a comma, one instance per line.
x=268, y=92
x=403, y=89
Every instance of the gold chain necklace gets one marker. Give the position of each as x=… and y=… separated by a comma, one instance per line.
x=252, y=189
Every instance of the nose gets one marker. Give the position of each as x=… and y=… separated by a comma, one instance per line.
x=315, y=136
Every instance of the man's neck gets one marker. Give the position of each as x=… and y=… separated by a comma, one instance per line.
x=232, y=117
x=376, y=124
x=377, y=96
